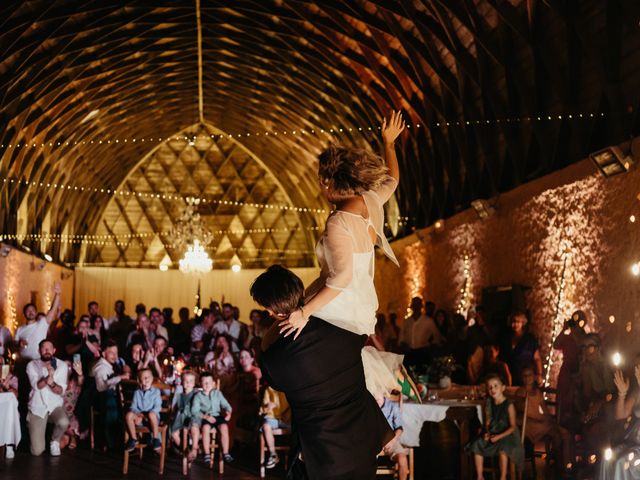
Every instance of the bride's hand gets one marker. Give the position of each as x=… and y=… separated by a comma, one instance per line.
x=294, y=324
x=391, y=130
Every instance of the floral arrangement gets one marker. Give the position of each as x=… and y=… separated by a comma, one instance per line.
x=441, y=367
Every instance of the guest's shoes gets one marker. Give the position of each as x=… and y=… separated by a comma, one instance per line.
x=10, y=452
x=272, y=461
x=227, y=458
x=132, y=443
x=54, y=448
x=156, y=444
x=206, y=458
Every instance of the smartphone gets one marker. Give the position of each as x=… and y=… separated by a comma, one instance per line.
x=54, y=363
x=5, y=372
x=76, y=358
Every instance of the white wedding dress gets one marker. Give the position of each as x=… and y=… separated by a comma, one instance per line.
x=346, y=255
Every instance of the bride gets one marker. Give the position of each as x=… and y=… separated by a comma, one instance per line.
x=359, y=183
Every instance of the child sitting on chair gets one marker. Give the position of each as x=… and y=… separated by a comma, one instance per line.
x=501, y=436
x=275, y=414
x=394, y=449
x=182, y=413
x=145, y=406
x=210, y=409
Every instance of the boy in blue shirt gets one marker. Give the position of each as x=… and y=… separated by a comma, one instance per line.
x=394, y=449
x=209, y=409
x=146, y=405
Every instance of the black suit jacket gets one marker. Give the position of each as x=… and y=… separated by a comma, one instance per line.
x=338, y=423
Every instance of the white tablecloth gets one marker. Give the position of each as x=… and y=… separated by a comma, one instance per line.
x=9, y=419
x=415, y=414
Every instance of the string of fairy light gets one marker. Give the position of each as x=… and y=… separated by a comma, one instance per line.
x=331, y=131
x=557, y=323
x=465, y=291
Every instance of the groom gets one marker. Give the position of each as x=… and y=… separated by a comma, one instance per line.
x=338, y=424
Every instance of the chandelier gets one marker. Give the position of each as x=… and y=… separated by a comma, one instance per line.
x=195, y=259
x=191, y=234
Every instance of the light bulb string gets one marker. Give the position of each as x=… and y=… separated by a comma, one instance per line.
x=556, y=325
x=461, y=122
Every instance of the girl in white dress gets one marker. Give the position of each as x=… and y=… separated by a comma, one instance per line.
x=359, y=183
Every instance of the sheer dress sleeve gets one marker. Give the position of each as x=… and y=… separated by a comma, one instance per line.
x=338, y=244
x=384, y=191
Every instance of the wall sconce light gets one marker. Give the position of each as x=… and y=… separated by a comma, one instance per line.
x=439, y=225
x=483, y=208
x=611, y=161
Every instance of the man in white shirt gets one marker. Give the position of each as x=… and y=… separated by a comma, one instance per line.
x=48, y=380
x=29, y=336
x=419, y=331
x=229, y=326
x=107, y=379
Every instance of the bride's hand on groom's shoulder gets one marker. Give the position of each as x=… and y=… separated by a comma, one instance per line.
x=294, y=324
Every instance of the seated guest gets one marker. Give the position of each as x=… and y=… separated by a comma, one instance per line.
x=157, y=323
x=541, y=425
x=221, y=362
x=136, y=358
x=10, y=426
x=155, y=357
x=48, y=379
x=98, y=329
x=252, y=334
x=71, y=394
x=493, y=365
x=250, y=373
x=143, y=333
x=248, y=389
x=394, y=449
x=107, y=374
x=145, y=407
x=231, y=327
x=275, y=414
x=500, y=437
x=210, y=409
x=182, y=413
x=418, y=333
x=201, y=332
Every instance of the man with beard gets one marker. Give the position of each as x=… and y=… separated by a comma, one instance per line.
x=29, y=336
x=48, y=380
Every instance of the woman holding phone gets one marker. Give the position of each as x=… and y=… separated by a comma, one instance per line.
x=74, y=387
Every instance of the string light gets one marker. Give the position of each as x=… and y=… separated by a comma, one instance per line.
x=329, y=132
x=465, y=292
x=557, y=323
x=13, y=311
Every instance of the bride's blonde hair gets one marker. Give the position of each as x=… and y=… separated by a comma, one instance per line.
x=350, y=171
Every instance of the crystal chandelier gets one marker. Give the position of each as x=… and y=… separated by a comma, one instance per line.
x=195, y=259
x=191, y=233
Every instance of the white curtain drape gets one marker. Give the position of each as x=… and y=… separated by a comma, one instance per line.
x=167, y=289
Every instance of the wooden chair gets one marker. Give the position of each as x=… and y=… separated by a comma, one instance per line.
x=386, y=466
x=533, y=452
x=127, y=389
x=283, y=447
x=213, y=446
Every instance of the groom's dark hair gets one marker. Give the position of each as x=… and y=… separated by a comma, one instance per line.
x=278, y=289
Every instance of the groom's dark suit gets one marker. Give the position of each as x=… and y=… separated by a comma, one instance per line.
x=338, y=423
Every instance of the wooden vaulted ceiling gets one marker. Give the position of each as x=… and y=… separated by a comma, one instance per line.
x=474, y=74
